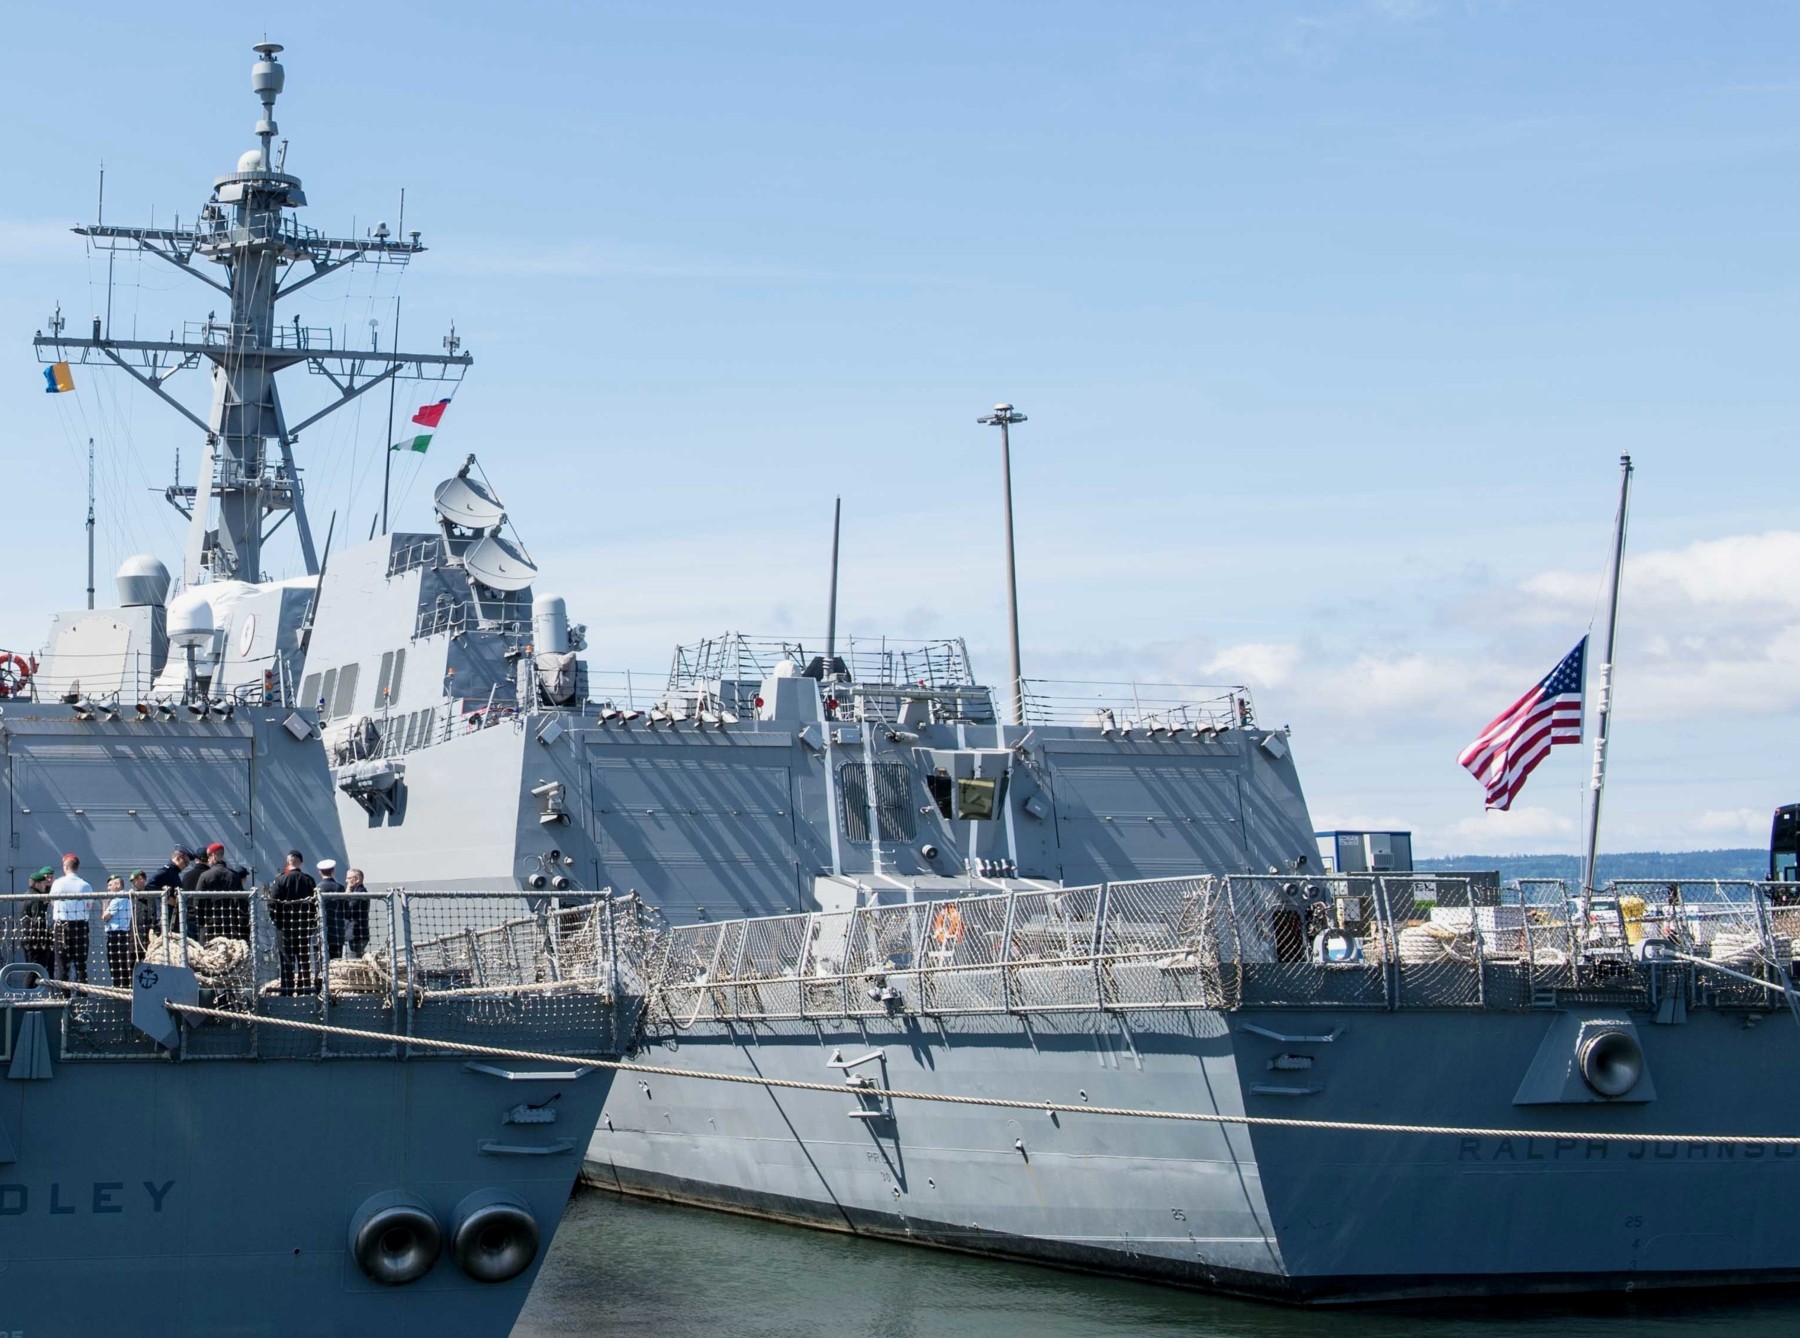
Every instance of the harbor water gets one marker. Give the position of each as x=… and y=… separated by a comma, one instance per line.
x=629, y=1267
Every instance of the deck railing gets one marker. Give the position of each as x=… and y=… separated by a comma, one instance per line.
x=1141, y=709
x=519, y=970
x=1347, y=941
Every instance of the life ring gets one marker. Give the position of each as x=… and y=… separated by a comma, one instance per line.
x=947, y=926
x=15, y=673
x=395, y=1239
x=496, y=1237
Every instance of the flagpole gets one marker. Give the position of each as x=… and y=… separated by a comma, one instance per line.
x=1603, y=697
x=387, y=456
x=90, y=519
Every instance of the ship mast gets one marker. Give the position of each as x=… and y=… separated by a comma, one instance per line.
x=246, y=490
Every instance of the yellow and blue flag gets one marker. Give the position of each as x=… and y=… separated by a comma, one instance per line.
x=57, y=378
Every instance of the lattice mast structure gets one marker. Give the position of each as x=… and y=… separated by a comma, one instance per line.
x=249, y=484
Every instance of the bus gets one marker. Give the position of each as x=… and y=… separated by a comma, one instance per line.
x=1784, y=845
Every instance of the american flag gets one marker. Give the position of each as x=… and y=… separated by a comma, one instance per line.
x=1509, y=749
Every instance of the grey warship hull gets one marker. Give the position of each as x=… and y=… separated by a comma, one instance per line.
x=213, y=1199
x=1506, y=1164
x=1292, y=1215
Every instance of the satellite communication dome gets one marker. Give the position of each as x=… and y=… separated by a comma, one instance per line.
x=191, y=620
x=498, y=565
x=250, y=160
x=463, y=501
x=142, y=580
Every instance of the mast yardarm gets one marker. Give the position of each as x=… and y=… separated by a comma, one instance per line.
x=249, y=481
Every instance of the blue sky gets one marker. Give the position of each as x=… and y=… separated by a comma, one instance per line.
x=1332, y=321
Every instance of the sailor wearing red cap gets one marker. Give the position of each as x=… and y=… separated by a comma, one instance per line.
x=226, y=917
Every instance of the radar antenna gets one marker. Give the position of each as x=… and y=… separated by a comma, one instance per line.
x=245, y=490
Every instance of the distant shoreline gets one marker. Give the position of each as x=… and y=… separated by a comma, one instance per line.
x=1736, y=862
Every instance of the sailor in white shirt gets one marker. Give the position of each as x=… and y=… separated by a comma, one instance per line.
x=70, y=910
x=115, y=919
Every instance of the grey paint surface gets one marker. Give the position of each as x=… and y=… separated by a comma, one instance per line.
x=1290, y=1214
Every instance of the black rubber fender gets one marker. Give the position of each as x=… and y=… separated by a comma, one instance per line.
x=495, y=1238
x=395, y=1239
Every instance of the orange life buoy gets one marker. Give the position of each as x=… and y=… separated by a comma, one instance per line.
x=15, y=673
x=947, y=926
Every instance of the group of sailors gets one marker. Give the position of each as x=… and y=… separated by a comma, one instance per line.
x=294, y=900
x=52, y=928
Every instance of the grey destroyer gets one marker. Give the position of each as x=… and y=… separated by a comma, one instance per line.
x=1050, y=972
x=1109, y=902
x=211, y=1123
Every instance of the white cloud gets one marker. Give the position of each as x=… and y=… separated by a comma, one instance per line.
x=1404, y=686
x=1511, y=832
x=1261, y=663
x=1711, y=627
x=1744, y=574
x=1742, y=822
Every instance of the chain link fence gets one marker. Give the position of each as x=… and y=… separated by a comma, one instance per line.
x=507, y=969
x=1280, y=940
x=569, y=973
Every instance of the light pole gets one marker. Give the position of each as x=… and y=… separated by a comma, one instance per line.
x=1003, y=417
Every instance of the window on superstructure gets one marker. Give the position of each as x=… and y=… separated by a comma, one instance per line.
x=345, y=701
x=399, y=673
x=327, y=687
x=893, y=808
x=309, y=690
x=967, y=798
x=382, y=690
x=978, y=798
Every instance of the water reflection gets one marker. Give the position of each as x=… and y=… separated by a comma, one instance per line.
x=625, y=1267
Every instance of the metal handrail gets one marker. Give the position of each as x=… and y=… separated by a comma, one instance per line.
x=1138, y=707
x=1228, y=930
